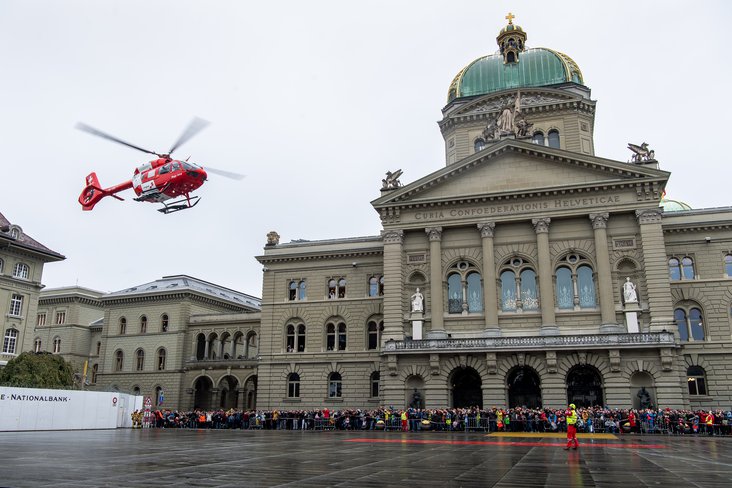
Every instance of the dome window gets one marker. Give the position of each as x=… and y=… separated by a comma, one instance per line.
x=479, y=144
x=553, y=138
x=538, y=138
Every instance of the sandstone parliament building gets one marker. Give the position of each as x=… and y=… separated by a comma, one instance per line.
x=526, y=271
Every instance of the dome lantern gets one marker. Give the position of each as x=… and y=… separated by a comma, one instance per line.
x=511, y=41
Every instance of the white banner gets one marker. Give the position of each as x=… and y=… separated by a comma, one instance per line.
x=37, y=409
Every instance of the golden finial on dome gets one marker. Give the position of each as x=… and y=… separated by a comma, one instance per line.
x=510, y=17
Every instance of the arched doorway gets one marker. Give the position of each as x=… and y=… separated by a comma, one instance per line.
x=229, y=390
x=584, y=386
x=524, y=388
x=466, y=388
x=202, y=397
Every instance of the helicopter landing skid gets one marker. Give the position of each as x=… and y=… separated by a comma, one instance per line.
x=177, y=206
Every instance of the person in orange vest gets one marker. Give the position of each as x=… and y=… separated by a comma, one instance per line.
x=571, y=416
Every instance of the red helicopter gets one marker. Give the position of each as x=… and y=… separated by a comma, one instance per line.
x=157, y=181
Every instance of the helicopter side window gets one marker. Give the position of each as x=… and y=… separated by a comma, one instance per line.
x=187, y=166
x=176, y=166
x=164, y=169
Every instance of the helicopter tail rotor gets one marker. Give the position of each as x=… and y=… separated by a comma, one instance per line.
x=93, y=192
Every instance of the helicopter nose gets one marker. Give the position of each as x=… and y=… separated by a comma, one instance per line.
x=202, y=174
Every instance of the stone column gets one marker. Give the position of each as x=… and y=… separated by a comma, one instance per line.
x=546, y=288
x=604, y=278
x=437, y=328
x=393, y=289
x=656, y=269
x=490, y=306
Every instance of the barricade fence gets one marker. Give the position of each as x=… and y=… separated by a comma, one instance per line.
x=414, y=420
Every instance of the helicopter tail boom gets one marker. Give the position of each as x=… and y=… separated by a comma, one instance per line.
x=93, y=192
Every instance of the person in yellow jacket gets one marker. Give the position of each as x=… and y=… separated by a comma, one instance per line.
x=571, y=416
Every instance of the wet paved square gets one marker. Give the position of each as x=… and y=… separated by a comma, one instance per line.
x=224, y=458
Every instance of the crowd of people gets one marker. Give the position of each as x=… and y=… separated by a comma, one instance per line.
x=520, y=419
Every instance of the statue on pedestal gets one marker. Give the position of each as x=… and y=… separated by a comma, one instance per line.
x=417, y=301
x=629, y=293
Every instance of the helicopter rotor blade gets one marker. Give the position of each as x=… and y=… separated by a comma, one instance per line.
x=225, y=174
x=104, y=135
x=194, y=127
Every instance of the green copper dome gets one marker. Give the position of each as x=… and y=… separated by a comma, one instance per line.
x=535, y=67
x=669, y=205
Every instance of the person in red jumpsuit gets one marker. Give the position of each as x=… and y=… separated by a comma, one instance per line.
x=571, y=416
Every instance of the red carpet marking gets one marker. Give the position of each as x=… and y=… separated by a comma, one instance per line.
x=508, y=443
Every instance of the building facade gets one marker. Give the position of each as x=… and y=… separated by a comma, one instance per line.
x=21, y=271
x=526, y=271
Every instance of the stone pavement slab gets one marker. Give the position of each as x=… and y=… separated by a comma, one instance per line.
x=223, y=458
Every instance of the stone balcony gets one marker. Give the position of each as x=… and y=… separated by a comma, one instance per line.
x=534, y=343
x=193, y=363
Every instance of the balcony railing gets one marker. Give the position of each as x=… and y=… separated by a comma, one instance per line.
x=222, y=363
x=594, y=341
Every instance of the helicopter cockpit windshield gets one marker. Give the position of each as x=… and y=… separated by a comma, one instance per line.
x=164, y=169
x=188, y=166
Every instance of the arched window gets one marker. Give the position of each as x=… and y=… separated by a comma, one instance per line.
x=479, y=144
x=143, y=325
x=21, y=271
x=553, y=138
x=575, y=283
x=252, y=349
x=293, y=385
x=376, y=286
x=375, y=384
x=374, y=334
x=342, y=337
x=681, y=269
x=464, y=288
x=10, y=341
x=37, y=345
x=119, y=359
x=200, y=347
x=337, y=288
x=330, y=337
x=159, y=396
x=136, y=390
x=518, y=294
x=728, y=265
x=295, y=338
x=139, y=360
x=697, y=381
x=538, y=138
x=94, y=373
x=161, y=359
x=164, y=322
x=122, y=326
x=297, y=290
x=56, y=345
x=334, y=385
x=690, y=323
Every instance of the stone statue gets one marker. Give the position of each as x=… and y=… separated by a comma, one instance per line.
x=417, y=301
x=416, y=399
x=273, y=238
x=644, y=398
x=392, y=180
x=505, y=120
x=629, y=293
x=492, y=132
x=641, y=153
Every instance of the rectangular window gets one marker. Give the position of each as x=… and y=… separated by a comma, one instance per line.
x=41, y=320
x=60, y=318
x=16, y=305
x=10, y=341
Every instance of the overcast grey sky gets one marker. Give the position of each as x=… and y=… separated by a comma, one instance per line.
x=313, y=101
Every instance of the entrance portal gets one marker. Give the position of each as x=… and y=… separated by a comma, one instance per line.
x=202, y=398
x=584, y=387
x=466, y=389
x=524, y=388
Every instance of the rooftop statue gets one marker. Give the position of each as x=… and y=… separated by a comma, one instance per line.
x=392, y=180
x=273, y=238
x=641, y=153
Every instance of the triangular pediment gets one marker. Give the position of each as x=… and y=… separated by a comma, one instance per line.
x=514, y=168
